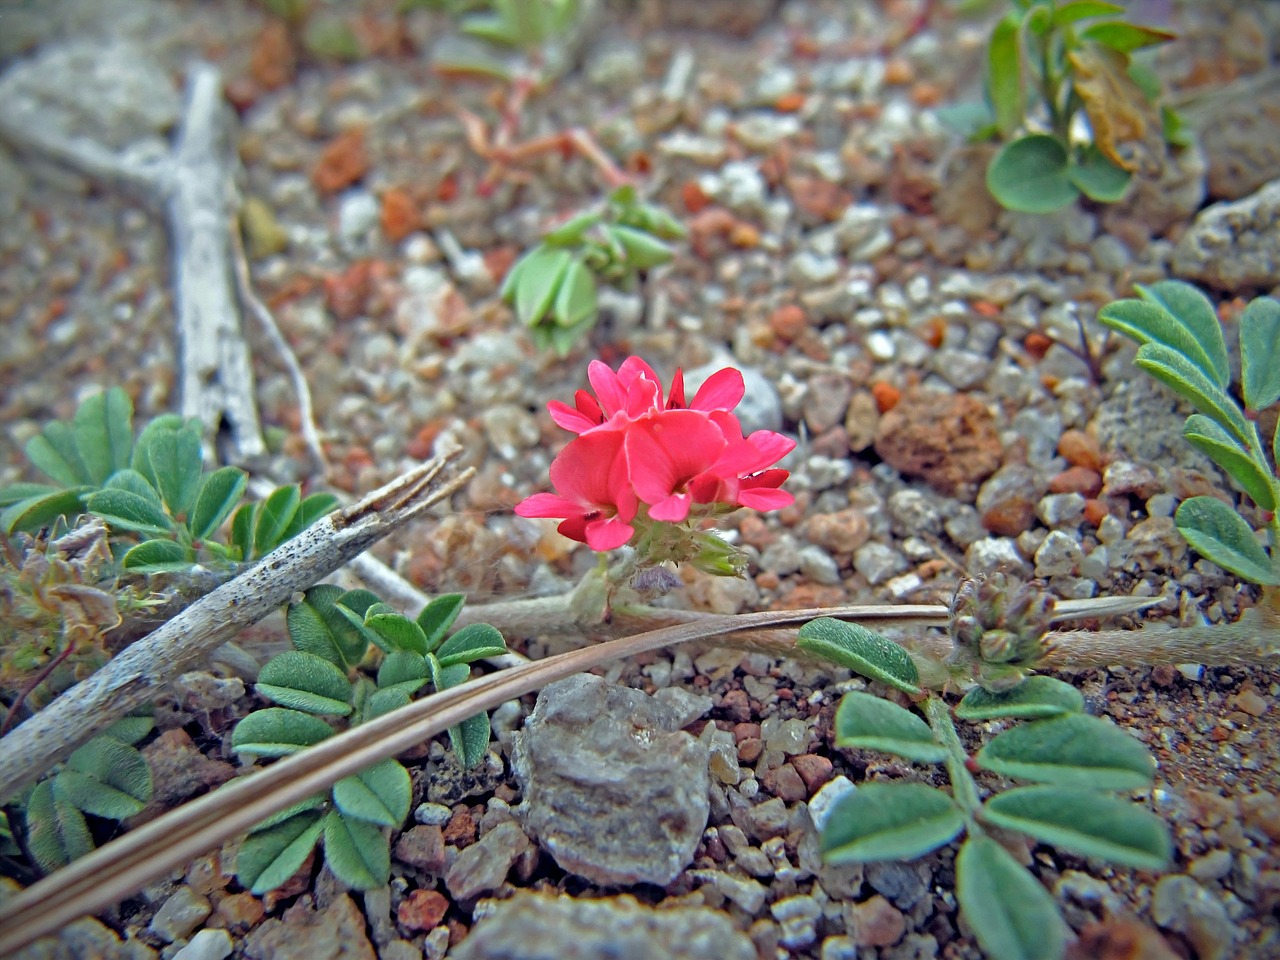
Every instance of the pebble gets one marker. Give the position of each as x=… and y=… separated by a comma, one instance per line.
x=432, y=814
x=948, y=440
x=995, y=553
x=1060, y=509
x=358, y=212
x=180, y=915
x=484, y=865
x=818, y=566
x=797, y=917
x=747, y=893
x=1058, y=555
x=821, y=803
x=1182, y=905
x=1232, y=245
x=422, y=910
x=207, y=945
x=877, y=923
x=422, y=847
x=841, y=532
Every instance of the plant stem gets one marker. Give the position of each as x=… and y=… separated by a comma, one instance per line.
x=963, y=788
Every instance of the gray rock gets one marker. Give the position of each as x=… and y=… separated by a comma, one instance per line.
x=534, y=927
x=1234, y=246
x=613, y=789
x=903, y=883
x=357, y=218
x=914, y=513
x=995, y=553
x=797, y=917
x=747, y=893
x=110, y=91
x=1167, y=196
x=1060, y=508
x=336, y=932
x=1240, y=144
x=207, y=945
x=818, y=566
x=1059, y=554
x=483, y=866
x=878, y=562
x=86, y=937
x=1182, y=905
x=180, y=915
x=963, y=369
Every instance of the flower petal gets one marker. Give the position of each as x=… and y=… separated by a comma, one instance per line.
x=721, y=391
x=547, y=505
x=666, y=451
x=765, y=498
x=675, y=400
x=611, y=394
x=582, y=471
x=673, y=509
x=608, y=534
x=569, y=418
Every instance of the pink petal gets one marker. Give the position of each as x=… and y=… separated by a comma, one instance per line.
x=668, y=450
x=721, y=391
x=673, y=509
x=675, y=400
x=582, y=470
x=608, y=534
x=612, y=395
x=765, y=498
x=569, y=418
x=775, y=446
x=547, y=505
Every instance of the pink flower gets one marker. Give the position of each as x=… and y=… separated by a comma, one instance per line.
x=595, y=500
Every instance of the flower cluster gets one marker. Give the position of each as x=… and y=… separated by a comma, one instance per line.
x=640, y=457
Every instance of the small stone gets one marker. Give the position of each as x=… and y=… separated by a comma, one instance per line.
x=878, y=562
x=797, y=916
x=768, y=819
x=484, y=865
x=905, y=883
x=422, y=910
x=1232, y=246
x=1183, y=906
x=948, y=440
x=337, y=930
x=822, y=802
x=818, y=566
x=1124, y=477
x=814, y=770
x=1082, y=480
x=1212, y=866
x=1007, y=500
x=877, y=923
x=995, y=553
x=839, y=948
x=1080, y=449
x=343, y=162
x=358, y=212
x=861, y=420
x=207, y=945
x=238, y=912
x=180, y=915
x=1249, y=701
x=432, y=814
x=1058, y=555
x=422, y=847
x=1059, y=509
x=1261, y=811
x=746, y=892
x=461, y=828
x=841, y=532
x=785, y=783
x=827, y=401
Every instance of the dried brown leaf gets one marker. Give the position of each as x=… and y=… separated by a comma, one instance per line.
x=1118, y=109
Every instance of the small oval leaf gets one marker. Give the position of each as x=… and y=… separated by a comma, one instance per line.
x=1218, y=533
x=1032, y=699
x=103, y=429
x=357, y=852
x=1030, y=175
x=274, y=516
x=1075, y=750
x=873, y=723
x=889, y=821
x=380, y=794
x=1013, y=916
x=277, y=732
x=403, y=669
x=473, y=642
x=268, y=858
x=1187, y=380
x=1260, y=353
x=307, y=682
x=539, y=280
x=158, y=556
x=217, y=496
x=1223, y=449
x=437, y=617
x=862, y=651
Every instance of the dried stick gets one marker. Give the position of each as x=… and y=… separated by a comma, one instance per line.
x=138, y=673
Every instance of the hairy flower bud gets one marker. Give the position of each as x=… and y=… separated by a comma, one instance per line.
x=998, y=623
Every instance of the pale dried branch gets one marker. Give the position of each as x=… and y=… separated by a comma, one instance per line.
x=137, y=674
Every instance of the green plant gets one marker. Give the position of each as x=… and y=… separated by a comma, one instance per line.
x=553, y=286
x=1077, y=765
x=1050, y=64
x=331, y=632
x=1182, y=346
x=153, y=492
x=106, y=778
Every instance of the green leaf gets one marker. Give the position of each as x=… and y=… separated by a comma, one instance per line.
x=1260, y=353
x=56, y=830
x=889, y=821
x=106, y=778
x=17, y=492
x=971, y=119
x=1083, y=10
x=443, y=677
x=242, y=530
x=29, y=515
x=175, y=460
x=380, y=794
x=470, y=739
x=1075, y=750
x=217, y=496
x=1004, y=73
x=312, y=508
x=165, y=423
x=1011, y=914
x=384, y=701
x=274, y=517
x=1225, y=450
x=539, y=281
x=1030, y=175
x=129, y=502
x=304, y=681
x=103, y=429
x=54, y=452
x=1187, y=380
x=395, y=631
x=403, y=670
x=576, y=299
x=473, y=642
x=277, y=732
x=1148, y=322
x=862, y=651
x=490, y=28
x=357, y=852
x=438, y=616
x=571, y=232
x=1194, y=311
x=1125, y=37
x=317, y=625
x=267, y=858
x=129, y=730
x=1033, y=698
x=873, y=723
x=1084, y=823
x=1218, y=533
x=158, y=556
x=1097, y=177
x=643, y=250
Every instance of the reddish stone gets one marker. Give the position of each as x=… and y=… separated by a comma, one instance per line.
x=813, y=769
x=736, y=706
x=1095, y=511
x=749, y=750
x=399, y=215
x=422, y=847
x=742, y=731
x=886, y=395
x=841, y=532
x=785, y=784
x=343, y=162
x=1008, y=518
x=948, y=440
x=695, y=200
x=817, y=198
x=346, y=294
x=877, y=923
x=237, y=912
x=422, y=910
x=1081, y=450
x=461, y=828
x=273, y=61
x=788, y=321
x=1084, y=480
x=1036, y=344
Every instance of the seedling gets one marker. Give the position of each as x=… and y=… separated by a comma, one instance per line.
x=554, y=286
x=332, y=632
x=1078, y=767
x=1064, y=95
x=1182, y=346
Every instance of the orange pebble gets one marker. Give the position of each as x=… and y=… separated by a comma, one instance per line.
x=1036, y=344
x=789, y=102
x=886, y=395
x=788, y=321
x=1095, y=511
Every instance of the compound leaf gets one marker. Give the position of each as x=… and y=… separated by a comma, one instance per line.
x=106, y=778
x=1225, y=450
x=56, y=831
x=889, y=821
x=473, y=642
x=269, y=856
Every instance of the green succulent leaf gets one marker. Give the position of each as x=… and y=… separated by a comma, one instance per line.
x=106, y=778
x=643, y=250
x=576, y=300
x=268, y=857
x=1093, y=173
x=1011, y=914
x=1069, y=13
x=437, y=617
x=473, y=642
x=217, y=496
x=539, y=281
x=1260, y=353
x=873, y=723
x=862, y=651
x=274, y=516
x=129, y=502
x=30, y=514
x=1030, y=175
x=1125, y=37
x=158, y=556
x=404, y=670
x=572, y=231
x=306, y=682
x=384, y=701
x=1225, y=450
x=356, y=851
x=1195, y=313
x=889, y=821
x=1004, y=73
x=103, y=428
x=1218, y=533
x=1085, y=823
x=1187, y=380
x=1032, y=699
x=1075, y=750
x=380, y=794
x=56, y=831
x=277, y=732
x=55, y=453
